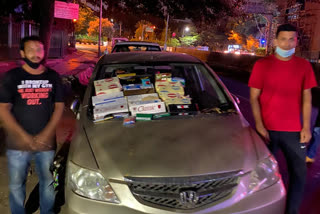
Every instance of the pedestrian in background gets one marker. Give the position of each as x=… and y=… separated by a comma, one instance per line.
x=280, y=91
x=31, y=104
x=315, y=142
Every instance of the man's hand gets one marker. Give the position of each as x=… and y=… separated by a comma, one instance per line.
x=27, y=139
x=263, y=132
x=41, y=140
x=305, y=135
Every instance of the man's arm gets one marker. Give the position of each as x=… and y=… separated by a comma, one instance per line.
x=305, y=135
x=12, y=126
x=50, y=129
x=256, y=110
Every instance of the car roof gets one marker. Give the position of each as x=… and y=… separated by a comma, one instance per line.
x=144, y=57
x=137, y=43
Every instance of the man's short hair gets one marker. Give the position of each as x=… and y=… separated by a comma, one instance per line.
x=286, y=27
x=27, y=39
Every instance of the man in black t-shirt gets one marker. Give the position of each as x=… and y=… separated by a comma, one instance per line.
x=31, y=104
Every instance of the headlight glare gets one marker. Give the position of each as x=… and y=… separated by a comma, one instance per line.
x=90, y=184
x=265, y=174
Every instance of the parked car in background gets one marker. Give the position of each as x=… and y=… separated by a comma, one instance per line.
x=117, y=40
x=135, y=46
x=191, y=151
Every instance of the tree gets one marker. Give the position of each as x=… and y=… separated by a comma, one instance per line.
x=174, y=42
x=189, y=40
x=236, y=37
x=141, y=27
x=163, y=34
x=202, y=12
x=86, y=15
x=252, y=43
x=214, y=39
x=106, y=28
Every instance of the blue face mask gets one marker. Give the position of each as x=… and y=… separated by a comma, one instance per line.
x=285, y=53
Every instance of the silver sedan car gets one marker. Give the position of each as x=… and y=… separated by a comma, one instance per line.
x=199, y=155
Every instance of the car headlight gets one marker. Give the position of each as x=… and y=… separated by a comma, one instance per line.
x=90, y=184
x=265, y=174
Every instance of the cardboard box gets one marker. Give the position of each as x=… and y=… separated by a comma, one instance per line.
x=106, y=81
x=100, y=112
x=163, y=76
x=165, y=95
x=179, y=79
x=126, y=76
x=134, y=103
x=167, y=83
x=116, y=101
x=161, y=115
x=189, y=109
x=137, y=89
x=143, y=97
x=161, y=83
x=144, y=117
x=177, y=101
x=150, y=108
x=106, y=97
x=107, y=86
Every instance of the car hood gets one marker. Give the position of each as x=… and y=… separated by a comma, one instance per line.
x=172, y=148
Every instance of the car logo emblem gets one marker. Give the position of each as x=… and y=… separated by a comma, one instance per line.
x=189, y=198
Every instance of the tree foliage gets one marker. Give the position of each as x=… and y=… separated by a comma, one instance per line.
x=252, y=43
x=141, y=26
x=174, y=42
x=189, y=40
x=202, y=12
x=106, y=28
x=236, y=37
x=86, y=15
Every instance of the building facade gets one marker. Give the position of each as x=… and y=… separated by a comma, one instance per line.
x=305, y=14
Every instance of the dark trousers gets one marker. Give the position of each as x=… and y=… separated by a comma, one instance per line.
x=295, y=155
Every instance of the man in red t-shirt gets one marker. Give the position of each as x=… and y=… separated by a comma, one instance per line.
x=280, y=91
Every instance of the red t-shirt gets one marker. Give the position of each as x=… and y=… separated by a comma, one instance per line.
x=282, y=84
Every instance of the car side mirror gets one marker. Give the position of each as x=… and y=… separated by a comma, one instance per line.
x=75, y=105
x=236, y=99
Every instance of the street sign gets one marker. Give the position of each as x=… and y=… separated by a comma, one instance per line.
x=65, y=10
x=149, y=29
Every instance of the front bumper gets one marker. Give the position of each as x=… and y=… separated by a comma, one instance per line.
x=270, y=200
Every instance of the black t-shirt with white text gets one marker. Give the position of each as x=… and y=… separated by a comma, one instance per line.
x=33, y=98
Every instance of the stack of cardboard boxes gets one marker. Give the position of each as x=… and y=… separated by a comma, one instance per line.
x=113, y=99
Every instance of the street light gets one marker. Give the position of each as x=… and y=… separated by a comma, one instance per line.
x=186, y=29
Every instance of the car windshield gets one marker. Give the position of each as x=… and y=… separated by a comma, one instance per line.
x=174, y=88
x=131, y=48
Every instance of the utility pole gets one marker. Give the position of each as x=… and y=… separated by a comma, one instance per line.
x=120, y=27
x=269, y=33
x=167, y=26
x=100, y=20
x=143, y=26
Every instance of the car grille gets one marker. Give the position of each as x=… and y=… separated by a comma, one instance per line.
x=183, y=192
